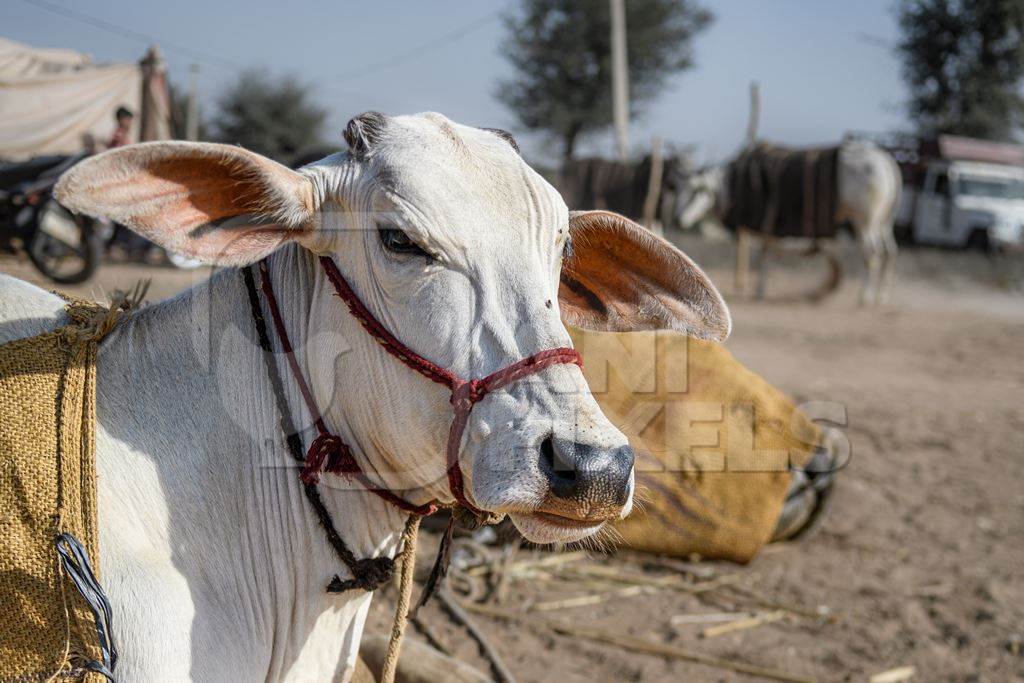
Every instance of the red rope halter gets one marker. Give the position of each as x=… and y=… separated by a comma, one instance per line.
x=328, y=452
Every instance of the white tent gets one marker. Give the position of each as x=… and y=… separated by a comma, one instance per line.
x=19, y=61
x=58, y=101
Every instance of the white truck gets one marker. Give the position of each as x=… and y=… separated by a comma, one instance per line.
x=957, y=192
x=965, y=204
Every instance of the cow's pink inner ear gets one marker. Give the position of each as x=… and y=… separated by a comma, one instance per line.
x=621, y=277
x=219, y=203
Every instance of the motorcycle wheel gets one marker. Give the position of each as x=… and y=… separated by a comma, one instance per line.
x=183, y=262
x=64, y=263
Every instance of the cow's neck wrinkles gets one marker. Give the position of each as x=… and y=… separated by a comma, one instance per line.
x=225, y=500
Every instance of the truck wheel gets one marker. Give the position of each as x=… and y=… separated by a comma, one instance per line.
x=978, y=240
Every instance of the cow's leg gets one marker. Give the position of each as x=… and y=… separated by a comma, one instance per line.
x=890, y=250
x=742, y=261
x=767, y=250
x=871, y=249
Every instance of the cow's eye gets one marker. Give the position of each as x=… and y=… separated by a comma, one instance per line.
x=397, y=241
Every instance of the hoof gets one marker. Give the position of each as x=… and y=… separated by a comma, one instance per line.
x=807, y=498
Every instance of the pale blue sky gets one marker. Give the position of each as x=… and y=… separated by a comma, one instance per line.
x=822, y=64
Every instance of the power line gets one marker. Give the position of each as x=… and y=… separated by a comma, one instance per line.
x=875, y=40
x=124, y=32
x=227, y=64
x=415, y=51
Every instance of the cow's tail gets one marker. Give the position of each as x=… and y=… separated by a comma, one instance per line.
x=831, y=282
x=835, y=272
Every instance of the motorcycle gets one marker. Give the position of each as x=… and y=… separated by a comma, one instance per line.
x=64, y=247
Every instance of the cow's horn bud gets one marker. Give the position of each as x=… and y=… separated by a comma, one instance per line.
x=363, y=131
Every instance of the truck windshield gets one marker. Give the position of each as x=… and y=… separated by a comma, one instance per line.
x=998, y=188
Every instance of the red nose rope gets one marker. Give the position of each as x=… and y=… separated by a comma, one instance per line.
x=329, y=453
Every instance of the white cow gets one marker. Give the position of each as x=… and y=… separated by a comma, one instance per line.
x=868, y=185
x=212, y=558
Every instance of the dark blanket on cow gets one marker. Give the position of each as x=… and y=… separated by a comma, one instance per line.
x=595, y=183
x=784, y=192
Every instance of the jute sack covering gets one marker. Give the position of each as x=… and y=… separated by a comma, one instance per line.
x=48, y=487
x=713, y=441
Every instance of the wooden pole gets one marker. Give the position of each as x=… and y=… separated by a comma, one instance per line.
x=755, y=113
x=620, y=79
x=742, y=260
x=192, y=113
x=654, y=186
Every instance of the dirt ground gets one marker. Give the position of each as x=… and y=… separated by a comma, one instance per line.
x=919, y=561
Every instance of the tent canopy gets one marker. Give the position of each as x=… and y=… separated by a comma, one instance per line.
x=55, y=101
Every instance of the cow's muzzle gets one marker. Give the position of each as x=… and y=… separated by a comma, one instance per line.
x=585, y=482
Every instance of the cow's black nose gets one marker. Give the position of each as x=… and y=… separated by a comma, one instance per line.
x=582, y=473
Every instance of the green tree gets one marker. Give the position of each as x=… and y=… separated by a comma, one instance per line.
x=272, y=116
x=561, y=52
x=964, y=62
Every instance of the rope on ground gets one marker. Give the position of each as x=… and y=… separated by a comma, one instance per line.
x=455, y=610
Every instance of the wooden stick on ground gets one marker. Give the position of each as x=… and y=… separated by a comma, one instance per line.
x=428, y=632
x=765, y=601
x=698, y=570
x=503, y=580
x=554, y=559
x=636, y=578
x=591, y=599
x=743, y=624
x=455, y=610
x=636, y=644
x=714, y=617
x=550, y=560
x=903, y=673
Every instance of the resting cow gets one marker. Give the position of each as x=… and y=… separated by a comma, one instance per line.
x=725, y=462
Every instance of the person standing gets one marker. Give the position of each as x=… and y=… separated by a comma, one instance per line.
x=135, y=247
x=124, y=118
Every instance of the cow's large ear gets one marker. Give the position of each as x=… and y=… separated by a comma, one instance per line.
x=620, y=277
x=217, y=203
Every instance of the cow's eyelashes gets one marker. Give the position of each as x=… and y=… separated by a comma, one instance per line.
x=397, y=241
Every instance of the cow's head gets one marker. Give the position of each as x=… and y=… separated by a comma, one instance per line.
x=699, y=192
x=470, y=258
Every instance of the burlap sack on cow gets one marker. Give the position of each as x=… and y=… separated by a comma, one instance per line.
x=48, y=487
x=714, y=442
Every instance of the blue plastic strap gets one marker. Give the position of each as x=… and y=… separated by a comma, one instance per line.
x=75, y=562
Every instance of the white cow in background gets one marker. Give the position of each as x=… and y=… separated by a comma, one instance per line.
x=215, y=564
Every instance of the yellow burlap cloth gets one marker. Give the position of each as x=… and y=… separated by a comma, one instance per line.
x=713, y=441
x=48, y=487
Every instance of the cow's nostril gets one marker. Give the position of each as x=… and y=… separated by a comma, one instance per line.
x=561, y=475
x=584, y=473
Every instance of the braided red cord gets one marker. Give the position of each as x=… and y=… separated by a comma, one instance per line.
x=465, y=394
x=431, y=371
x=328, y=452
x=286, y=345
